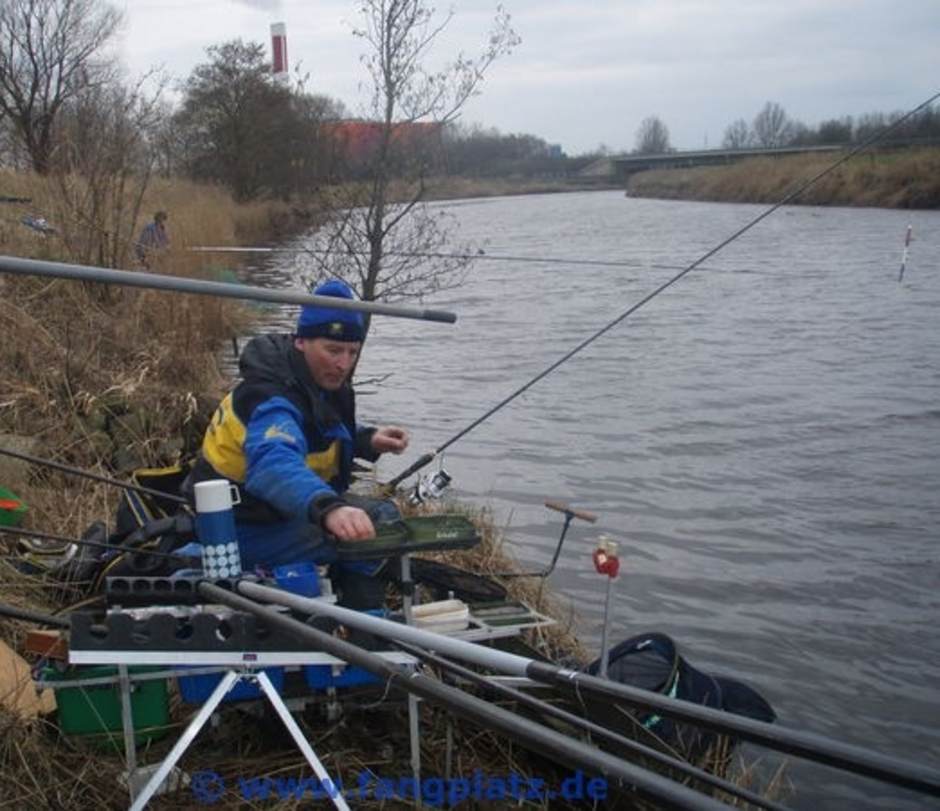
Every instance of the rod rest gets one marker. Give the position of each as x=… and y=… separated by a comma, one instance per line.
x=237, y=633
x=136, y=592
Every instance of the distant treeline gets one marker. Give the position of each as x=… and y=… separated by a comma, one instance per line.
x=772, y=128
x=235, y=125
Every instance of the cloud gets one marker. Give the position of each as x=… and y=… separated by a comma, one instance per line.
x=272, y=6
x=591, y=71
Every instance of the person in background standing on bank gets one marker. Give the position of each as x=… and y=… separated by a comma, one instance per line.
x=153, y=239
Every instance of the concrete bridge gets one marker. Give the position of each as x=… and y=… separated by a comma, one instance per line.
x=623, y=166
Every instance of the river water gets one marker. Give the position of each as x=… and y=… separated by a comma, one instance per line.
x=762, y=440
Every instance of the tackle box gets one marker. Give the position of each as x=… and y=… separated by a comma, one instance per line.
x=320, y=677
x=197, y=689
x=424, y=533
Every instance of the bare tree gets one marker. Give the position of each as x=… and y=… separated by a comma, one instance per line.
x=49, y=52
x=383, y=220
x=737, y=135
x=652, y=137
x=772, y=128
x=836, y=130
x=107, y=148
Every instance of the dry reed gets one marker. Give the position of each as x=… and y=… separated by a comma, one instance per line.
x=904, y=179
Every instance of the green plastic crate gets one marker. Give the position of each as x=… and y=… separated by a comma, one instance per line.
x=94, y=713
x=12, y=509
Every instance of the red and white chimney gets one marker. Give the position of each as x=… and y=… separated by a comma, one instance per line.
x=279, y=51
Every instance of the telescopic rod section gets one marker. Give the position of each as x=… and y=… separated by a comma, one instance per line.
x=154, y=281
x=564, y=750
x=578, y=722
x=795, y=742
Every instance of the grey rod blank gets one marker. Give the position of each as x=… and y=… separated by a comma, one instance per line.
x=199, y=287
x=562, y=749
x=491, y=658
x=799, y=743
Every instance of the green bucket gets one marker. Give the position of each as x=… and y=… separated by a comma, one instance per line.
x=94, y=713
x=12, y=509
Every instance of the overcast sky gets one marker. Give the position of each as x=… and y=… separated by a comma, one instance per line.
x=589, y=71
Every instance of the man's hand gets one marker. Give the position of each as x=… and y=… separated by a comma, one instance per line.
x=349, y=524
x=389, y=439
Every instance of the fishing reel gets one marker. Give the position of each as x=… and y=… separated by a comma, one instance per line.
x=430, y=488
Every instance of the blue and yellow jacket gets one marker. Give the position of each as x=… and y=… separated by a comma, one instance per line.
x=288, y=445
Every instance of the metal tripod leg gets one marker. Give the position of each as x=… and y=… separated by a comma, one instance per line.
x=415, y=744
x=185, y=739
x=332, y=789
x=407, y=584
x=605, y=633
x=127, y=720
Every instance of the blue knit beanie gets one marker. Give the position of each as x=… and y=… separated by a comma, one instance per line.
x=329, y=322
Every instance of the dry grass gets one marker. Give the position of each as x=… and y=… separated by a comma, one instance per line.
x=105, y=379
x=906, y=179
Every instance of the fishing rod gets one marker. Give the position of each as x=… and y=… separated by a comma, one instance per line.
x=789, y=741
x=560, y=748
x=554, y=711
x=479, y=256
x=45, y=536
x=17, y=613
x=93, y=476
x=154, y=281
x=427, y=458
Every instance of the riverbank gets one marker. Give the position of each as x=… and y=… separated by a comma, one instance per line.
x=901, y=179
x=455, y=188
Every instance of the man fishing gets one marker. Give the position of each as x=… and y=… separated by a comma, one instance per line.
x=287, y=435
x=153, y=239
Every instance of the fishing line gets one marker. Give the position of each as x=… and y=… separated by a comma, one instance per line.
x=426, y=458
x=474, y=257
x=74, y=471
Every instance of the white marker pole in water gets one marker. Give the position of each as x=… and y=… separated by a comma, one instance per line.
x=907, y=242
x=607, y=563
